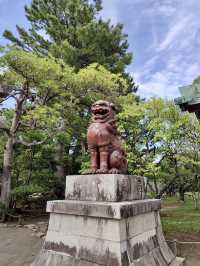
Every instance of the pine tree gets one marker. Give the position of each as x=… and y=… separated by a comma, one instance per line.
x=73, y=30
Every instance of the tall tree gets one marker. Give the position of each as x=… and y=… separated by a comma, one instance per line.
x=73, y=30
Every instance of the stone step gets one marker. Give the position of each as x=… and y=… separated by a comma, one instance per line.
x=114, y=210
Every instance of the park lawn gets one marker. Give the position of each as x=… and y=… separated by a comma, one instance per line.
x=180, y=218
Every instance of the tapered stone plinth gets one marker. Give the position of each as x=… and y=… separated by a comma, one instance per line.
x=105, y=233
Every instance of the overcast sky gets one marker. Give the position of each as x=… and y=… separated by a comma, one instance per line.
x=164, y=36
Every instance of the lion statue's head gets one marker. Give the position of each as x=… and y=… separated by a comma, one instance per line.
x=102, y=111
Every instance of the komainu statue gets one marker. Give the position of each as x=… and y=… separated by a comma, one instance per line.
x=107, y=154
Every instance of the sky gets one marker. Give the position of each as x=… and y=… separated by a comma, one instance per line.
x=163, y=35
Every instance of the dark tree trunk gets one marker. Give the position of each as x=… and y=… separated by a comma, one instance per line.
x=156, y=185
x=181, y=194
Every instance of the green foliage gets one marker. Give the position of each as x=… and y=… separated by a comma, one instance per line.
x=162, y=143
x=131, y=128
x=22, y=192
x=196, y=80
x=56, y=110
x=71, y=30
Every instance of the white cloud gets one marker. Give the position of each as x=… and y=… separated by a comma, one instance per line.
x=156, y=86
x=165, y=83
x=171, y=58
x=174, y=32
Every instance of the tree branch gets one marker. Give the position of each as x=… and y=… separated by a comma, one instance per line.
x=30, y=144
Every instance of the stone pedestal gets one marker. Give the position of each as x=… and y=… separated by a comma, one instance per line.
x=99, y=223
x=110, y=187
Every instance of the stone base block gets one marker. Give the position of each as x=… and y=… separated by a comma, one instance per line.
x=178, y=262
x=105, y=234
x=107, y=187
x=52, y=258
x=110, y=210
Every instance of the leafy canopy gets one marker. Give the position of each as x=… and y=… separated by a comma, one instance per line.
x=73, y=31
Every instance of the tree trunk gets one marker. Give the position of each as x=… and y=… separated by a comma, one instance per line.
x=195, y=199
x=30, y=166
x=6, y=176
x=155, y=185
x=8, y=151
x=59, y=158
x=181, y=194
x=152, y=189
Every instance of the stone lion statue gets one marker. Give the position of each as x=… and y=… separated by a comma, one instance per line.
x=106, y=152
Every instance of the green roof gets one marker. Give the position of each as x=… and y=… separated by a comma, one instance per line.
x=190, y=94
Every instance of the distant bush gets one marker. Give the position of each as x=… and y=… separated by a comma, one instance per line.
x=21, y=193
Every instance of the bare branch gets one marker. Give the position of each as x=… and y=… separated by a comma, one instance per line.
x=30, y=144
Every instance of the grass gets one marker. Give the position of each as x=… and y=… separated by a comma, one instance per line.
x=179, y=217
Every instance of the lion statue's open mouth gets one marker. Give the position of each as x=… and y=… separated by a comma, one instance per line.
x=101, y=110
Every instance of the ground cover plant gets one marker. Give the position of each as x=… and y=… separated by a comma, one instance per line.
x=180, y=219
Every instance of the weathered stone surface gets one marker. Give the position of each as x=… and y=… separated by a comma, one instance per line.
x=172, y=245
x=90, y=249
x=87, y=239
x=104, y=187
x=113, y=210
x=52, y=258
x=137, y=225
x=178, y=262
x=122, y=234
x=165, y=250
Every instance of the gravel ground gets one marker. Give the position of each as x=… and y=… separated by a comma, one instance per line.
x=18, y=246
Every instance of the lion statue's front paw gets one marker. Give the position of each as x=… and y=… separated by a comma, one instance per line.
x=91, y=171
x=102, y=171
x=114, y=171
